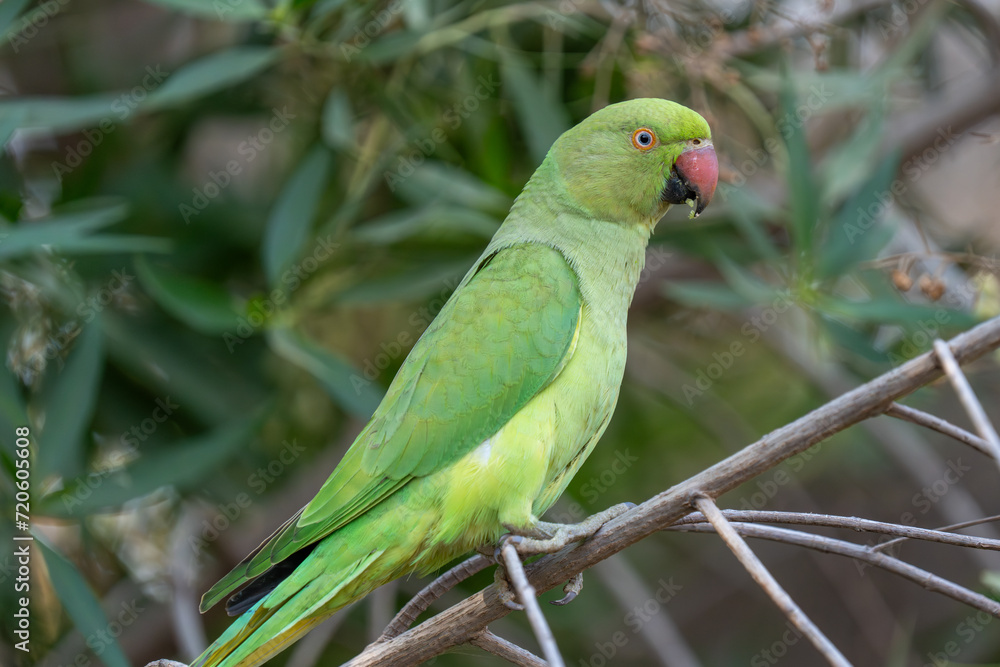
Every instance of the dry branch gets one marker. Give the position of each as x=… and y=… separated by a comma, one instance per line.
x=460, y=623
x=748, y=559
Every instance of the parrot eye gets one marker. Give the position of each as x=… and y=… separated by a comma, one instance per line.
x=643, y=138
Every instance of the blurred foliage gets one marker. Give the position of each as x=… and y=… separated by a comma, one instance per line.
x=224, y=223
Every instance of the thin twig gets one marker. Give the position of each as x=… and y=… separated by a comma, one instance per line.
x=766, y=580
x=526, y=596
x=850, y=523
x=510, y=652
x=968, y=397
x=954, y=526
x=431, y=592
x=942, y=426
x=928, y=580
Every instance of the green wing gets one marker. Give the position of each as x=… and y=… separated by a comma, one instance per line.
x=500, y=339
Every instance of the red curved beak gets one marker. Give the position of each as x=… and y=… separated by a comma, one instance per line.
x=698, y=169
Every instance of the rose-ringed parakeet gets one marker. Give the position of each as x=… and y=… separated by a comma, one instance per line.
x=502, y=398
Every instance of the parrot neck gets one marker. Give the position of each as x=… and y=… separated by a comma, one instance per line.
x=607, y=255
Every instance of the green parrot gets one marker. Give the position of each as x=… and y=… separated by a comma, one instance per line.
x=503, y=397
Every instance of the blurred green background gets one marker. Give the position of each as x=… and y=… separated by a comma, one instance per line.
x=223, y=224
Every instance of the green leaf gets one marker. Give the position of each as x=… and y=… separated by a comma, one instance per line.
x=211, y=73
x=342, y=382
x=443, y=221
x=9, y=122
x=855, y=234
x=850, y=165
x=802, y=190
x=81, y=604
x=890, y=311
x=705, y=294
x=62, y=114
x=292, y=216
x=209, y=377
x=221, y=10
x=183, y=465
x=68, y=401
x=338, y=120
x=63, y=229
x=202, y=305
x=540, y=117
x=436, y=181
x=9, y=11
x=419, y=282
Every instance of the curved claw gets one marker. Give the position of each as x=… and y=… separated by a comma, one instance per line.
x=629, y=505
x=572, y=589
x=564, y=600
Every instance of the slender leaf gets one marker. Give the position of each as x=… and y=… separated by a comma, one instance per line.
x=222, y=10
x=202, y=305
x=82, y=605
x=704, y=294
x=855, y=234
x=338, y=120
x=293, y=213
x=68, y=400
x=62, y=114
x=183, y=464
x=443, y=221
x=540, y=118
x=802, y=190
x=211, y=73
x=436, y=181
x=345, y=384
x=9, y=11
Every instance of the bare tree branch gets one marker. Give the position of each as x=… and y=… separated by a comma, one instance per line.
x=942, y=426
x=850, y=523
x=459, y=623
x=513, y=653
x=968, y=397
x=748, y=559
x=928, y=580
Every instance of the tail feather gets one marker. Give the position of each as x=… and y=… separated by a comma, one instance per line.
x=294, y=607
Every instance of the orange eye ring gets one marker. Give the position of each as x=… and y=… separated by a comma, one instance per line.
x=644, y=139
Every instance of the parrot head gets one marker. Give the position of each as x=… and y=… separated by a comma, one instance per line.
x=630, y=161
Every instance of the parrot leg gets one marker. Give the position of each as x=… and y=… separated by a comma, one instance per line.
x=547, y=538
x=506, y=592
